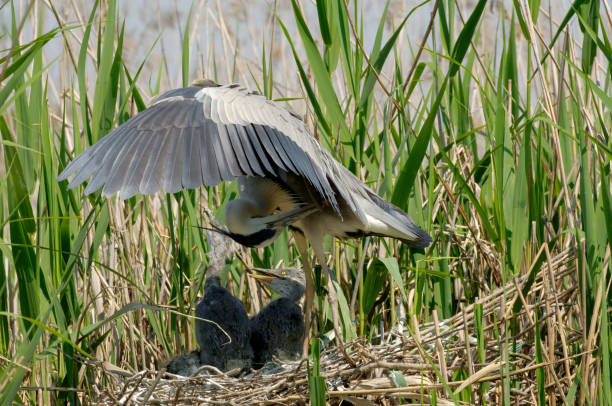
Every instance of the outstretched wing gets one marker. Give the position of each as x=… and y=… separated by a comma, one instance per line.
x=209, y=133
x=203, y=135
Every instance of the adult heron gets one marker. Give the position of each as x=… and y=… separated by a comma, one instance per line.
x=208, y=133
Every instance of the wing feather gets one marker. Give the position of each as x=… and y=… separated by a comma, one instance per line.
x=172, y=178
x=90, y=161
x=192, y=174
x=120, y=165
x=239, y=151
x=230, y=157
x=224, y=170
x=251, y=157
x=263, y=138
x=103, y=171
x=203, y=134
x=151, y=180
x=251, y=135
x=135, y=172
x=208, y=156
x=270, y=133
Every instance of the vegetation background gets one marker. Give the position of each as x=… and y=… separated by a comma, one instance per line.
x=488, y=122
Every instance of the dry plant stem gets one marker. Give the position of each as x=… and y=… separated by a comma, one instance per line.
x=302, y=246
x=559, y=324
x=478, y=56
x=550, y=110
x=67, y=45
x=367, y=59
x=155, y=383
x=440, y=347
x=465, y=217
x=358, y=280
x=432, y=19
x=15, y=40
x=333, y=303
x=466, y=338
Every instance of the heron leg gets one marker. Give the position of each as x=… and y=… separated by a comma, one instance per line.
x=302, y=246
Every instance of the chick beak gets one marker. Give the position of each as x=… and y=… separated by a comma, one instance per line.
x=266, y=277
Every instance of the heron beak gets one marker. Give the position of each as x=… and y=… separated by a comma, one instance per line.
x=266, y=277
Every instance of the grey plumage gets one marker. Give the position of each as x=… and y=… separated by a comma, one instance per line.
x=224, y=344
x=184, y=365
x=278, y=329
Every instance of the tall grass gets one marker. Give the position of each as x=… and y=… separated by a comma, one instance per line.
x=502, y=153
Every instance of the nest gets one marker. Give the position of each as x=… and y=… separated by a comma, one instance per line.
x=441, y=358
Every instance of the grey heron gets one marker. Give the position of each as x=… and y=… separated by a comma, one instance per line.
x=279, y=327
x=208, y=133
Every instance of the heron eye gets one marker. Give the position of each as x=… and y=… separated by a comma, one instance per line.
x=283, y=272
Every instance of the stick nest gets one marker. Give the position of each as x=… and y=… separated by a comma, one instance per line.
x=440, y=358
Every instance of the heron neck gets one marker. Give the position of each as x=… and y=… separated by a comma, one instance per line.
x=288, y=288
x=241, y=216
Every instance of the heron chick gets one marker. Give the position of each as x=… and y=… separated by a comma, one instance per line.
x=222, y=328
x=278, y=329
x=184, y=365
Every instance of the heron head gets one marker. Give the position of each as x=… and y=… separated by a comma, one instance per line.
x=287, y=282
x=204, y=83
x=243, y=218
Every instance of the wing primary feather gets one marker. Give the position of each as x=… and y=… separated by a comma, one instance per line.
x=92, y=161
x=143, y=120
x=119, y=170
x=85, y=159
x=208, y=160
x=263, y=138
x=172, y=178
x=178, y=115
x=192, y=174
x=111, y=155
x=251, y=156
x=251, y=134
x=158, y=161
x=305, y=165
x=239, y=151
x=224, y=170
x=270, y=132
x=135, y=171
x=230, y=158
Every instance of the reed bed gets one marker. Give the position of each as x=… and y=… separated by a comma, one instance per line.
x=489, y=125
